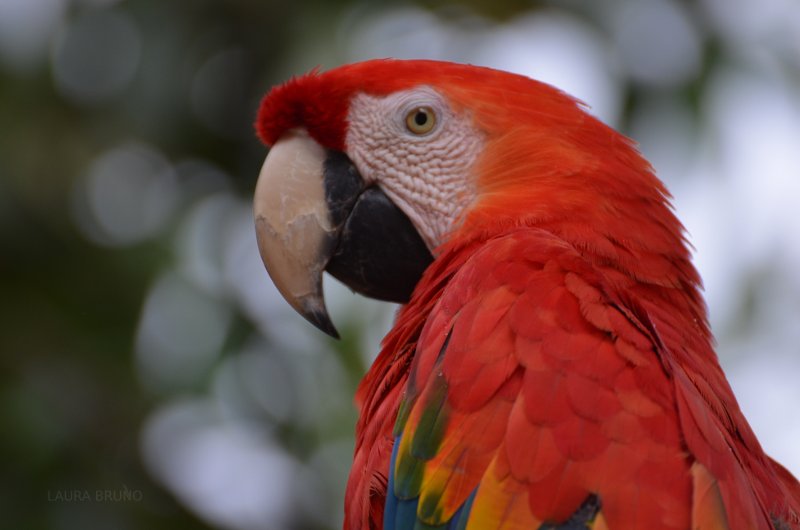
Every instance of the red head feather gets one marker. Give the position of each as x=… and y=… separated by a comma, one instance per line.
x=319, y=101
x=546, y=161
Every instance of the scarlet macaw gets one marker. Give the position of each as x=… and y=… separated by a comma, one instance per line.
x=552, y=365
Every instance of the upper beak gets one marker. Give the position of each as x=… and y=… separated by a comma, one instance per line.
x=293, y=226
x=313, y=212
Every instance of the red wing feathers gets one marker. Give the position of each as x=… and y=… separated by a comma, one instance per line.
x=553, y=391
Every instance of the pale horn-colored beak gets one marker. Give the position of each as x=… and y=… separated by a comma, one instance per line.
x=296, y=236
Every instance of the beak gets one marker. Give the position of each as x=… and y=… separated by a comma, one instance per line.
x=314, y=213
x=293, y=226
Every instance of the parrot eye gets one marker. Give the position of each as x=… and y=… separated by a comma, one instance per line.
x=421, y=120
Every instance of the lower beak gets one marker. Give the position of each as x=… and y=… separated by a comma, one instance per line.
x=313, y=212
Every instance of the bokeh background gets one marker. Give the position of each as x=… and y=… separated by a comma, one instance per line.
x=151, y=376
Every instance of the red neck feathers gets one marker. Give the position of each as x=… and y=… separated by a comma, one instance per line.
x=548, y=163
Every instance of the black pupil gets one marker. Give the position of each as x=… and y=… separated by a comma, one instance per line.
x=421, y=117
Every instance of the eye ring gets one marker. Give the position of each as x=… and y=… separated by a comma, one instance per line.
x=421, y=120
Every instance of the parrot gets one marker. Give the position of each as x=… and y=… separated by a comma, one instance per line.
x=551, y=364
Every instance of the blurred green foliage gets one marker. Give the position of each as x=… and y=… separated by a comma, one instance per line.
x=71, y=404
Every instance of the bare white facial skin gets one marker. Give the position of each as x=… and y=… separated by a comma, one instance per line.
x=428, y=176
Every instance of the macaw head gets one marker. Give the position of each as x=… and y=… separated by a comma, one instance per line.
x=375, y=167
